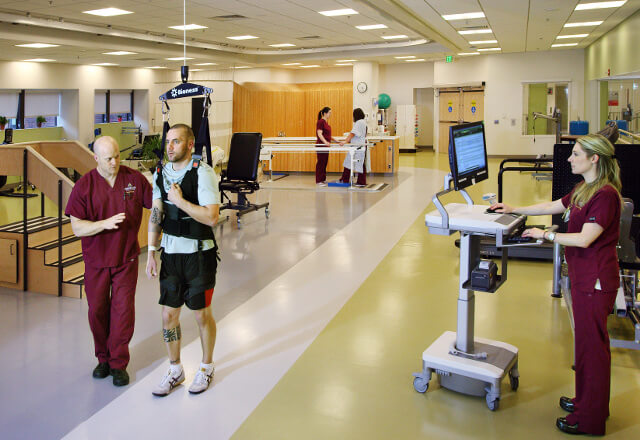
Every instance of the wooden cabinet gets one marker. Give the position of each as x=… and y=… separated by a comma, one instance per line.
x=8, y=260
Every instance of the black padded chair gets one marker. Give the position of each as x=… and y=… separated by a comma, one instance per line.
x=241, y=175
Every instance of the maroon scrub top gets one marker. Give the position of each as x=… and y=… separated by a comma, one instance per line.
x=600, y=259
x=93, y=199
x=326, y=131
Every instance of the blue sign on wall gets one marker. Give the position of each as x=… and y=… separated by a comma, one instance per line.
x=473, y=109
x=450, y=109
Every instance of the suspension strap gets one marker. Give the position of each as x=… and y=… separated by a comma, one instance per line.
x=203, y=140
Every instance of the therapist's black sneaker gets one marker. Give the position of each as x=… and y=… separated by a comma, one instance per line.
x=120, y=377
x=567, y=404
x=101, y=371
x=564, y=426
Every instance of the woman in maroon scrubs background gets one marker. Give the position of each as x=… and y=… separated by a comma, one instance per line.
x=323, y=139
x=592, y=210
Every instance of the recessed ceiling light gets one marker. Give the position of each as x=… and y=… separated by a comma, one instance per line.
x=107, y=12
x=475, y=31
x=489, y=49
x=368, y=27
x=344, y=64
x=405, y=57
x=104, y=64
x=483, y=42
x=155, y=67
x=394, y=37
x=242, y=37
x=188, y=27
x=464, y=54
x=178, y=59
x=564, y=44
x=37, y=45
x=310, y=65
x=338, y=12
x=562, y=37
x=416, y=60
x=207, y=64
x=292, y=64
x=240, y=67
x=599, y=5
x=282, y=45
x=465, y=16
x=345, y=61
x=195, y=70
x=40, y=60
x=584, y=23
x=120, y=52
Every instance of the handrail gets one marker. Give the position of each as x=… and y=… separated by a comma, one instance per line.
x=63, y=154
x=524, y=160
x=630, y=134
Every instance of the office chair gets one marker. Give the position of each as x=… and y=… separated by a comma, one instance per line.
x=241, y=175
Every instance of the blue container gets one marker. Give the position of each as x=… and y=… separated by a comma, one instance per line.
x=622, y=124
x=579, y=128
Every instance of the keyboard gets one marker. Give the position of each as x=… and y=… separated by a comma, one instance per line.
x=519, y=239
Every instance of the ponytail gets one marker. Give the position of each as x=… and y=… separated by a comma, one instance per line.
x=323, y=112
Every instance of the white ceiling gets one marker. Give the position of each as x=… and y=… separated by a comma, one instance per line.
x=518, y=25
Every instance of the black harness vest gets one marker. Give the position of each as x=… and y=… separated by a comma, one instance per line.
x=176, y=222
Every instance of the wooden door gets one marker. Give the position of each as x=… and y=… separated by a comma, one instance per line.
x=8, y=260
x=443, y=136
x=449, y=106
x=473, y=105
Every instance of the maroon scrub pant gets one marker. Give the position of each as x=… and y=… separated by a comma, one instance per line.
x=593, y=360
x=321, y=167
x=111, y=297
x=362, y=177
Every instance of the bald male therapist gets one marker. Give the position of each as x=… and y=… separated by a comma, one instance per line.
x=105, y=208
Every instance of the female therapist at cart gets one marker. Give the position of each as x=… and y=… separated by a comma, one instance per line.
x=592, y=210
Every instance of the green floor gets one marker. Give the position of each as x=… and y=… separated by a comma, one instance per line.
x=354, y=381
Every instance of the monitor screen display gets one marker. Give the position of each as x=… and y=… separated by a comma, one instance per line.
x=467, y=154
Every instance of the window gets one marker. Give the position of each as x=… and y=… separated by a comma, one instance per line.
x=119, y=106
x=544, y=98
x=9, y=107
x=44, y=104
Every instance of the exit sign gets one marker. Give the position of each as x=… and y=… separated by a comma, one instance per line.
x=449, y=59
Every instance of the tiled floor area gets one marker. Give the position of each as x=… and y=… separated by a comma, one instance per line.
x=323, y=312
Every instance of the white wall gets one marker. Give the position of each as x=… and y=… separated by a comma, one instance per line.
x=504, y=75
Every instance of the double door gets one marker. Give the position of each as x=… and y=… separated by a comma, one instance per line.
x=458, y=105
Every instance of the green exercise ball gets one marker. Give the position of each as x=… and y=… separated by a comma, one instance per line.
x=384, y=101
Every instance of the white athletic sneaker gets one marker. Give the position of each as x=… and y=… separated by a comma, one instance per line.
x=201, y=381
x=168, y=383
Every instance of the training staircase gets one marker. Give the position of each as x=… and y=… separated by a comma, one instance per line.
x=52, y=263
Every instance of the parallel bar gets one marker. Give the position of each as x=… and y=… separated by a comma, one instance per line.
x=25, y=234
x=60, y=269
x=41, y=204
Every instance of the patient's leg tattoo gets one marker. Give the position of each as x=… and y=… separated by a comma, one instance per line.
x=172, y=334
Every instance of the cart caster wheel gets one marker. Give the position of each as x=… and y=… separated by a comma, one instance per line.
x=493, y=404
x=420, y=384
x=515, y=382
x=239, y=223
x=267, y=213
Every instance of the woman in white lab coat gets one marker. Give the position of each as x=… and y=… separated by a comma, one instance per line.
x=357, y=137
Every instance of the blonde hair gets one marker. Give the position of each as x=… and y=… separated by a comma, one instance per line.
x=607, y=169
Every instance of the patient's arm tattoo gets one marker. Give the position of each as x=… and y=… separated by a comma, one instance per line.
x=172, y=334
x=156, y=216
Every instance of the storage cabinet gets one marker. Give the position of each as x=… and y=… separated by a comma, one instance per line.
x=8, y=260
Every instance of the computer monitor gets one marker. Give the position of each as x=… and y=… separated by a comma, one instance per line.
x=467, y=154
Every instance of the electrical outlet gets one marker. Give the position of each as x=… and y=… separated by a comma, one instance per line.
x=513, y=122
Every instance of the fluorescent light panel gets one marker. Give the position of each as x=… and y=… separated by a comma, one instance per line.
x=489, y=49
x=564, y=44
x=178, y=59
x=311, y=65
x=405, y=57
x=344, y=64
x=368, y=27
x=120, y=52
x=345, y=61
x=104, y=64
x=37, y=45
x=107, y=12
x=483, y=42
x=240, y=67
x=465, y=16
x=188, y=27
x=40, y=60
x=475, y=31
x=207, y=64
x=563, y=37
x=584, y=23
x=413, y=61
x=599, y=5
x=282, y=45
x=155, y=67
x=394, y=37
x=338, y=12
x=292, y=64
x=242, y=37
x=464, y=54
